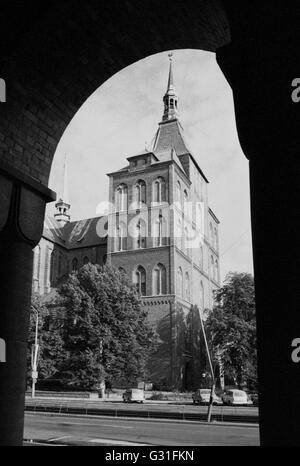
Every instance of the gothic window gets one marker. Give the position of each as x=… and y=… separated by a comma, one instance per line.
x=212, y=267
x=185, y=203
x=187, y=286
x=186, y=240
x=216, y=271
x=140, y=235
x=216, y=239
x=140, y=193
x=74, y=264
x=159, y=190
x=139, y=279
x=121, y=237
x=179, y=282
x=121, y=198
x=171, y=103
x=179, y=235
x=201, y=256
x=159, y=280
x=178, y=193
x=86, y=260
x=211, y=235
x=159, y=231
x=199, y=222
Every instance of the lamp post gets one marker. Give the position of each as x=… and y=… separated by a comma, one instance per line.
x=212, y=391
x=34, y=354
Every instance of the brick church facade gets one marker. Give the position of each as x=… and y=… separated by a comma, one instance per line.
x=160, y=231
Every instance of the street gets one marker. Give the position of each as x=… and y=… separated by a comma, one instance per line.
x=109, y=430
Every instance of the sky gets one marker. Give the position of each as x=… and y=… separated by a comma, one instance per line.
x=122, y=115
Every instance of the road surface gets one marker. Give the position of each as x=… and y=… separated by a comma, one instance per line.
x=112, y=431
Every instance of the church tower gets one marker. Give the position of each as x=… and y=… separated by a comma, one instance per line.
x=164, y=236
x=63, y=205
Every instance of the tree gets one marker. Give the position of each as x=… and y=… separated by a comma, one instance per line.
x=50, y=342
x=231, y=329
x=106, y=333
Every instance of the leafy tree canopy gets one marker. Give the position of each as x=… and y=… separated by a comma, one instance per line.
x=231, y=329
x=106, y=333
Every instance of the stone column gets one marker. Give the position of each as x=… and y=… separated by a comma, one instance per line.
x=22, y=211
x=260, y=73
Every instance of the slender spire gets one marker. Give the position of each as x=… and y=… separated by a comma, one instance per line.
x=170, y=98
x=65, y=192
x=63, y=205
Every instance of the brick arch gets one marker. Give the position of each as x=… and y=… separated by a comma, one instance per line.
x=53, y=56
x=55, y=64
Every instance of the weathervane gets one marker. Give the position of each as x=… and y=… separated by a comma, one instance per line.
x=170, y=55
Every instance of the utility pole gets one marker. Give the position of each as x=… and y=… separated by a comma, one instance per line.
x=213, y=385
x=34, y=354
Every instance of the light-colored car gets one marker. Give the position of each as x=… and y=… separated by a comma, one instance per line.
x=134, y=394
x=236, y=397
x=202, y=396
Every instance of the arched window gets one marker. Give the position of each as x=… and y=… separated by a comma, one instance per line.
x=171, y=103
x=212, y=267
x=186, y=240
x=139, y=279
x=187, y=286
x=178, y=193
x=199, y=221
x=159, y=190
x=201, y=256
x=140, y=235
x=74, y=264
x=211, y=234
x=86, y=260
x=121, y=237
x=179, y=233
x=121, y=198
x=179, y=282
x=140, y=193
x=159, y=280
x=186, y=203
x=216, y=239
x=159, y=232
x=216, y=271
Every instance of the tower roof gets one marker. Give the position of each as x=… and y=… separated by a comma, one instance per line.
x=170, y=98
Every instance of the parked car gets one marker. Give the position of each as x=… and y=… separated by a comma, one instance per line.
x=134, y=394
x=236, y=397
x=202, y=396
x=253, y=396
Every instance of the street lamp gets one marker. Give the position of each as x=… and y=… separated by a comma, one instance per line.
x=211, y=370
x=34, y=354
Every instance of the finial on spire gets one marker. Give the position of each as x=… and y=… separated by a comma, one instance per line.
x=170, y=98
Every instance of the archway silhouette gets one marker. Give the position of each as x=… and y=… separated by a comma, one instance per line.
x=60, y=55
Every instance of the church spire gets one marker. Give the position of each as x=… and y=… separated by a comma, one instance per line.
x=170, y=98
x=63, y=205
